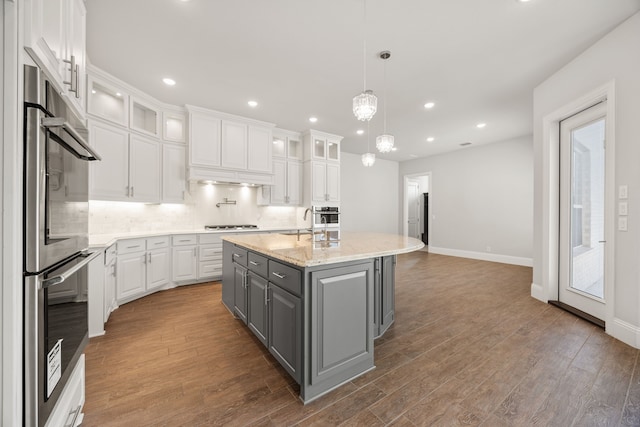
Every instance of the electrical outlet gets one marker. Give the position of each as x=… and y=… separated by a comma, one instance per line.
x=622, y=223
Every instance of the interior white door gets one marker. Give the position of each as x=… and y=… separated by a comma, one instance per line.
x=582, y=211
x=413, y=205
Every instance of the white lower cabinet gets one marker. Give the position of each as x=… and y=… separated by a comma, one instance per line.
x=185, y=257
x=68, y=410
x=142, y=266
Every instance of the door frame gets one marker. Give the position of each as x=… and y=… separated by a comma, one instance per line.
x=405, y=201
x=550, y=181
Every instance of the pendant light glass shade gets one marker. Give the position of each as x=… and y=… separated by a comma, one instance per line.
x=368, y=159
x=384, y=143
x=365, y=105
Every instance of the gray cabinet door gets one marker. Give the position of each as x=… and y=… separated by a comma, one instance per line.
x=257, y=306
x=285, y=328
x=240, y=295
x=341, y=340
x=228, y=277
x=387, y=300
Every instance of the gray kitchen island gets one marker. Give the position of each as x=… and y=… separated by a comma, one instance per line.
x=317, y=305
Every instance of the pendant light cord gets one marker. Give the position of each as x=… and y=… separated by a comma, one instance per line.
x=384, y=77
x=364, y=38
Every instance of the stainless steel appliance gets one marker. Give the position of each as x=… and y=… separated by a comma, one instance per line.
x=325, y=216
x=56, y=194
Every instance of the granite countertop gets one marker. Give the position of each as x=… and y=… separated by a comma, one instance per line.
x=307, y=253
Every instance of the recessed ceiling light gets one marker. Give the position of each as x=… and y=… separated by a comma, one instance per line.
x=519, y=1
x=252, y=104
x=168, y=81
x=313, y=119
x=360, y=131
x=118, y=94
x=93, y=91
x=481, y=125
x=431, y=139
x=429, y=105
x=394, y=149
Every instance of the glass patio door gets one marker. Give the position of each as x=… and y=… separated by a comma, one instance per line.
x=582, y=211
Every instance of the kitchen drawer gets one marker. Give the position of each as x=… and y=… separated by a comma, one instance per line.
x=286, y=277
x=131, y=246
x=210, y=238
x=110, y=253
x=184, y=239
x=210, y=252
x=209, y=269
x=258, y=264
x=239, y=255
x=69, y=405
x=157, y=242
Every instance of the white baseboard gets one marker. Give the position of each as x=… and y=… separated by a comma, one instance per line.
x=484, y=256
x=624, y=331
x=537, y=292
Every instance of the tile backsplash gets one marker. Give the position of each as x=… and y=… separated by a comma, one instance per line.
x=198, y=210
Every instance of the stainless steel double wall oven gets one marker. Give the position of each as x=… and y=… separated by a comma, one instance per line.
x=55, y=206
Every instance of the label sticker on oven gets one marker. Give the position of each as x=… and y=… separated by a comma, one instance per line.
x=54, y=367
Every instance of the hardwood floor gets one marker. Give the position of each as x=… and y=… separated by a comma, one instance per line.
x=469, y=347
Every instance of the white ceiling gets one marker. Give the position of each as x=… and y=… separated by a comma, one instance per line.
x=478, y=60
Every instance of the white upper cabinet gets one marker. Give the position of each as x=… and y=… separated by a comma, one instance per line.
x=286, y=190
x=174, y=127
x=321, y=168
x=145, y=117
x=321, y=146
x=204, y=131
x=130, y=166
x=234, y=146
x=259, y=149
x=223, y=147
x=109, y=178
x=55, y=37
x=144, y=169
x=108, y=102
x=173, y=173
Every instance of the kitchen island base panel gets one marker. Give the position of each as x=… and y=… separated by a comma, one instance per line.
x=329, y=390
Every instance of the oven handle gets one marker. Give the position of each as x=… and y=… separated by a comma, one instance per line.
x=56, y=280
x=51, y=122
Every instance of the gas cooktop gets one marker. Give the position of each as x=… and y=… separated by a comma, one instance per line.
x=231, y=227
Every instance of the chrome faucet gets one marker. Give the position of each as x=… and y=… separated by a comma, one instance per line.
x=304, y=218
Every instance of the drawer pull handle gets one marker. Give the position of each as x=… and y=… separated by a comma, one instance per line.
x=278, y=275
x=254, y=263
x=131, y=247
x=159, y=243
x=237, y=256
x=184, y=240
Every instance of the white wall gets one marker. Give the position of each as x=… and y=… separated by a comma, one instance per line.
x=369, y=197
x=481, y=197
x=616, y=57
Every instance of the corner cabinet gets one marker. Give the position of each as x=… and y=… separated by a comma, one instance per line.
x=321, y=168
x=223, y=147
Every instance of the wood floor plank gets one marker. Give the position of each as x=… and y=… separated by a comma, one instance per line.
x=469, y=346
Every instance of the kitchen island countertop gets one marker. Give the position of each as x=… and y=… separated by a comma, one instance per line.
x=304, y=252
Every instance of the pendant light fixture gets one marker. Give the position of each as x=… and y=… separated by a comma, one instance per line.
x=384, y=142
x=368, y=158
x=366, y=103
